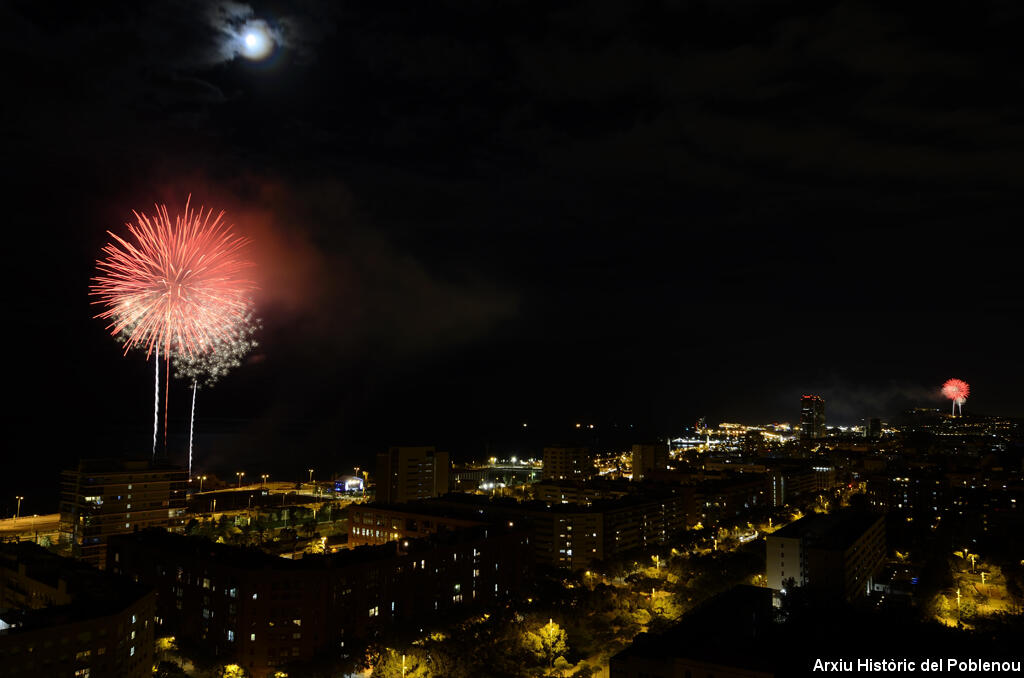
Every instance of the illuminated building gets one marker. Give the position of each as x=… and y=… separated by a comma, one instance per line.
x=410, y=473
x=104, y=497
x=568, y=463
x=59, y=617
x=647, y=458
x=836, y=555
x=265, y=613
x=812, y=417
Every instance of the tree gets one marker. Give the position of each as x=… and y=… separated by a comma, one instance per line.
x=166, y=669
x=548, y=644
x=309, y=525
x=232, y=671
x=260, y=527
x=394, y=664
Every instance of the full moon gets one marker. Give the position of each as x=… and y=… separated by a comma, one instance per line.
x=256, y=41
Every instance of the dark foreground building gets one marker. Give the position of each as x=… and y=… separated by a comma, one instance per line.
x=59, y=617
x=264, y=612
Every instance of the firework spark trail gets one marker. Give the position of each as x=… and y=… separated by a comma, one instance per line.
x=156, y=398
x=191, y=429
x=208, y=367
x=178, y=284
x=956, y=390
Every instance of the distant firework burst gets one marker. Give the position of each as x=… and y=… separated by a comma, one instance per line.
x=179, y=285
x=956, y=390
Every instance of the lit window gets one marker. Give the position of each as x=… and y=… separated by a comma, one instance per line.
x=231, y=636
x=252, y=637
x=374, y=611
x=131, y=652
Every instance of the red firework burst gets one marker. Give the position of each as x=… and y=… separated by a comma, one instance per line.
x=956, y=390
x=178, y=286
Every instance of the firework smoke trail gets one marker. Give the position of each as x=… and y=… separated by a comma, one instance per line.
x=956, y=390
x=178, y=284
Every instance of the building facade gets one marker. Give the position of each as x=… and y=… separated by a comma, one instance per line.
x=568, y=463
x=837, y=555
x=568, y=536
x=265, y=613
x=102, y=498
x=410, y=473
x=812, y=417
x=647, y=458
x=377, y=523
x=59, y=617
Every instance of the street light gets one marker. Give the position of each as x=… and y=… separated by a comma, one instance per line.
x=310, y=475
x=201, y=479
x=17, y=513
x=240, y=474
x=264, y=477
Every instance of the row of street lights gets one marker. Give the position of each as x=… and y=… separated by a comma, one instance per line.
x=238, y=474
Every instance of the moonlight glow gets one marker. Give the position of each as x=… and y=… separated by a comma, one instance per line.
x=256, y=41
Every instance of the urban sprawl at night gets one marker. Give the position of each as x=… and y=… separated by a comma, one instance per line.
x=518, y=339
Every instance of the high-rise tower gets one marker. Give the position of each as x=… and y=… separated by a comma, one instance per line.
x=812, y=417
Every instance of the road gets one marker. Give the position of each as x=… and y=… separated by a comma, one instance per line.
x=29, y=524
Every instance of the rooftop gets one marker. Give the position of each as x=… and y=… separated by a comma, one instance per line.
x=93, y=593
x=252, y=558
x=836, y=530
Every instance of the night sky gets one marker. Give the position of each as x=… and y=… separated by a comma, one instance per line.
x=473, y=215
